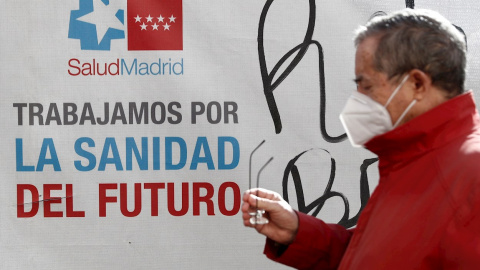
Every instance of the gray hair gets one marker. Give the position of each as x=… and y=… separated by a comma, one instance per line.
x=418, y=39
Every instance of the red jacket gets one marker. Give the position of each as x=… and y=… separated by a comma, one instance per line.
x=425, y=211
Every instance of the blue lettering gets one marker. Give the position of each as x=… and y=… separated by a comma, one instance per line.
x=48, y=145
x=129, y=71
x=92, y=161
x=169, y=152
x=158, y=65
x=202, y=143
x=142, y=160
x=221, y=153
x=143, y=69
x=156, y=153
x=180, y=64
x=19, y=158
x=104, y=160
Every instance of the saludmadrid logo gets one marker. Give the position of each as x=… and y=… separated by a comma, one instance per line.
x=150, y=25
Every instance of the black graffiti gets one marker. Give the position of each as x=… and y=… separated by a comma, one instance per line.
x=318, y=203
x=269, y=84
x=410, y=4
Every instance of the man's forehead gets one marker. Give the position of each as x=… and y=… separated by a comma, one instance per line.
x=364, y=59
x=365, y=51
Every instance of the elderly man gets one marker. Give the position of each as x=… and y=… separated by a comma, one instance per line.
x=411, y=110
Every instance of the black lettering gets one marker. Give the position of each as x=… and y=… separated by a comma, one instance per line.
x=38, y=113
x=53, y=115
x=232, y=112
x=218, y=112
x=20, y=107
x=87, y=114
x=106, y=114
x=118, y=114
x=70, y=109
x=174, y=112
x=153, y=112
x=134, y=112
x=196, y=111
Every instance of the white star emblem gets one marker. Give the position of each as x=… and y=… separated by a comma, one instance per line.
x=160, y=19
x=155, y=26
x=138, y=18
x=166, y=27
x=172, y=19
x=144, y=26
x=103, y=17
x=149, y=18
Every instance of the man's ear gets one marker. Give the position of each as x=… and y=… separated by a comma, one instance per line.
x=422, y=83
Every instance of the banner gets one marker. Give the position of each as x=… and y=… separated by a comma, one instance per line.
x=129, y=126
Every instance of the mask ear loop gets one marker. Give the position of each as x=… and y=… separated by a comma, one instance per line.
x=396, y=90
x=405, y=112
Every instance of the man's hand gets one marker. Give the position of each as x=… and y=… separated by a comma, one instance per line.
x=283, y=221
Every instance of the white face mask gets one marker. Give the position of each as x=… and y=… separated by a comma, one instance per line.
x=363, y=118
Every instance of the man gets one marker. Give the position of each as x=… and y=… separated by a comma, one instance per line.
x=411, y=110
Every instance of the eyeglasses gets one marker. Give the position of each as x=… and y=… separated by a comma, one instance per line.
x=256, y=217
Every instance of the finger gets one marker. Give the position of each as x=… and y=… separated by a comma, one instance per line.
x=258, y=191
x=262, y=203
x=245, y=207
x=246, y=221
x=258, y=227
x=261, y=192
x=246, y=194
x=248, y=208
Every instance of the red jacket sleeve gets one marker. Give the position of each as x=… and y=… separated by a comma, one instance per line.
x=317, y=245
x=460, y=246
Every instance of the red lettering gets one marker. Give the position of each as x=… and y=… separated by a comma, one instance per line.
x=91, y=69
x=206, y=199
x=105, y=71
x=75, y=67
x=236, y=198
x=88, y=68
x=49, y=200
x=154, y=187
x=103, y=199
x=202, y=193
x=171, y=200
x=21, y=201
x=70, y=211
x=114, y=64
x=138, y=200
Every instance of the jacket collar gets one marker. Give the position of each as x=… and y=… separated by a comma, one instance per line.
x=426, y=132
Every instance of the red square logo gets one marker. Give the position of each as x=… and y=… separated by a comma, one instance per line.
x=154, y=25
